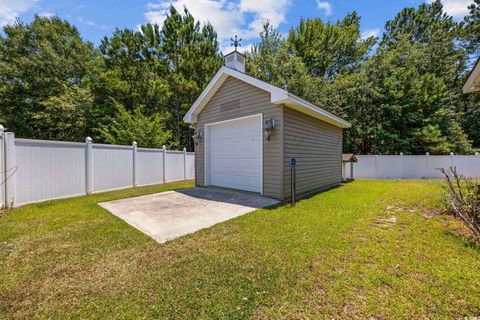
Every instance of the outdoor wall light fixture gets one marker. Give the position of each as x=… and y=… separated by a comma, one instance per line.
x=197, y=136
x=268, y=126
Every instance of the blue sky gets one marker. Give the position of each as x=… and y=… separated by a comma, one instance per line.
x=96, y=19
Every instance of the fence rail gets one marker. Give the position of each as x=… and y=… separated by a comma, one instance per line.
x=38, y=170
x=413, y=166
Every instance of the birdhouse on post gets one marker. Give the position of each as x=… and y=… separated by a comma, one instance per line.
x=348, y=158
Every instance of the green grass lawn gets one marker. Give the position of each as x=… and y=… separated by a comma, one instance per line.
x=368, y=249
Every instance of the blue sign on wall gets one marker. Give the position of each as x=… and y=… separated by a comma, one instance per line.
x=292, y=162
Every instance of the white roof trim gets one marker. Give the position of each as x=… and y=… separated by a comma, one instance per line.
x=472, y=83
x=277, y=96
x=314, y=111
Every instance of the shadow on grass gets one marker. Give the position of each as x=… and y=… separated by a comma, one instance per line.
x=306, y=196
x=466, y=241
x=311, y=194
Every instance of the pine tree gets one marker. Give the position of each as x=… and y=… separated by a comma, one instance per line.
x=191, y=53
x=271, y=61
x=329, y=49
x=129, y=126
x=471, y=29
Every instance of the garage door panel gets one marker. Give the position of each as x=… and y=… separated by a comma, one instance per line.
x=242, y=135
x=234, y=155
x=232, y=130
x=237, y=148
x=235, y=182
x=231, y=163
x=239, y=144
x=235, y=152
x=227, y=170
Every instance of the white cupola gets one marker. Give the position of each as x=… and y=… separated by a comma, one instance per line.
x=235, y=60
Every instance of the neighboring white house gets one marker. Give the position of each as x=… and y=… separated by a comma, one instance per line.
x=472, y=84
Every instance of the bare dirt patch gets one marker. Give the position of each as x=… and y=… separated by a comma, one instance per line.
x=387, y=221
x=451, y=223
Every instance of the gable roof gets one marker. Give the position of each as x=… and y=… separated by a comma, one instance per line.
x=277, y=96
x=347, y=157
x=472, y=83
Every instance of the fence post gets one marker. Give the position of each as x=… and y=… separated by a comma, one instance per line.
x=184, y=163
x=134, y=163
x=88, y=166
x=376, y=167
x=452, y=162
x=402, y=166
x=2, y=169
x=351, y=170
x=10, y=170
x=478, y=160
x=427, y=154
x=164, y=148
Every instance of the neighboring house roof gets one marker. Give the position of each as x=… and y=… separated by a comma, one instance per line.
x=472, y=83
x=347, y=157
x=277, y=96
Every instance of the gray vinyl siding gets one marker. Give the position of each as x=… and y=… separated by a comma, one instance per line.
x=317, y=146
x=235, y=99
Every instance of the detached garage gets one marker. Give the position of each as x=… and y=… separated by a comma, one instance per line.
x=246, y=130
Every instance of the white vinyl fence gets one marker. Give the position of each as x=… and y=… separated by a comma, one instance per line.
x=413, y=166
x=38, y=170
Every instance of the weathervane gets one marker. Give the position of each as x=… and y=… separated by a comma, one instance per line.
x=236, y=42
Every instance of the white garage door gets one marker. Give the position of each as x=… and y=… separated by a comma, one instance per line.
x=234, y=154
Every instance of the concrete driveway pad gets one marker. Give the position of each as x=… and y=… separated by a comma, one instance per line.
x=172, y=214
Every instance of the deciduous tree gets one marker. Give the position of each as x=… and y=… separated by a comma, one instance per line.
x=43, y=79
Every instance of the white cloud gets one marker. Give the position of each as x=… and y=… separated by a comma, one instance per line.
x=244, y=18
x=85, y=21
x=325, y=6
x=11, y=9
x=456, y=8
x=246, y=49
x=90, y=23
x=370, y=33
x=225, y=47
x=46, y=14
x=263, y=10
